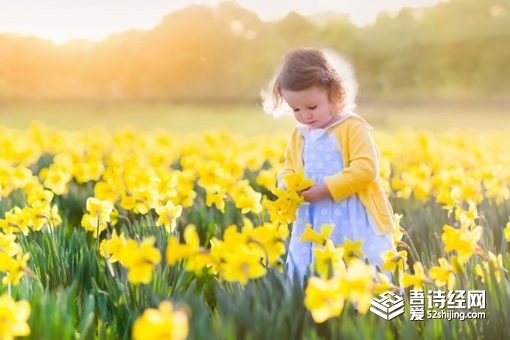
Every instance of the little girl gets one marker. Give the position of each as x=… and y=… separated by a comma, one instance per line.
x=334, y=147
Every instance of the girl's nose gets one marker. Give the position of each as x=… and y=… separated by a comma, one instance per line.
x=308, y=114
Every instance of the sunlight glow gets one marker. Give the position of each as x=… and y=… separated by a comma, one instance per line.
x=62, y=20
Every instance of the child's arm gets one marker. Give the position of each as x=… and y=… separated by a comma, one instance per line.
x=287, y=169
x=362, y=168
x=289, y=160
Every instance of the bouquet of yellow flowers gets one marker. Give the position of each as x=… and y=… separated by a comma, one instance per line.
x=283, y=209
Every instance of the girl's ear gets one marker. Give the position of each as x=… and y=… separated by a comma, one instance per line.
x=339, y=106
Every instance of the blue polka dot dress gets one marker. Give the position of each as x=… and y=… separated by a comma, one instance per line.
x=321, y=157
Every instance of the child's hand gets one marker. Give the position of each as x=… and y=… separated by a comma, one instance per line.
x=315, y=193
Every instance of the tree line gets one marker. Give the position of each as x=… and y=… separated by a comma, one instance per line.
x=456, y=49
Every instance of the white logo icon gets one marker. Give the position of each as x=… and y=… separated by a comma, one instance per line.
x=387, y=305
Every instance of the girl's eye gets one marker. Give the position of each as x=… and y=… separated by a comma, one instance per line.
x=312, y=107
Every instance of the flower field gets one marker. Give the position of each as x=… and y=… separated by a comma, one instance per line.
x=152, y=235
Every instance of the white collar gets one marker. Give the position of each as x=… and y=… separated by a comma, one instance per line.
x=315, y=134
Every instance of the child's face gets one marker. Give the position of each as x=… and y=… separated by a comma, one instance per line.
x=311, y=107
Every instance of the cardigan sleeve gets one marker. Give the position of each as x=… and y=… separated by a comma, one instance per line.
x=289, y=165
x=362, y=162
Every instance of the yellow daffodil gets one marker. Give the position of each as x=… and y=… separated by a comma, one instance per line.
x=163, y=323
x=8, y=245
x=92, y=223
x=394, y=260
x=212, y=173
x=267, y=179
x=99, y=208
x=463, y=241
x=270, y=238
x=467, y=218
x=16, y=220
x=444, y=274
x=13, y=267
x=497, y=265
x=185, y=190
x=140, y=200
x=242, y=265
x=107, y=191
x=357, y=284
x=328, y=261
x=176, y=251
x=246, y=198
x=41, y=215
x=89, y=168
x=57, y=178
x=323, y=298
x=13, y=317
x=197, y=258
x=140, y=260
x=352, y=250
x=297, y=182
x=449, y=198
x=382, y=284
x=239, y=256
x=311, y=235
x=21, y=176
x=216, y=195
x=168, y=215
x=97, y=216
x=40, y=195
x=397, y=231
x=283, y=209
x=416, y=280
x=111, y=248
x=167, y=186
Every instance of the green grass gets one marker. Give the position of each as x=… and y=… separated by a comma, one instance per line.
x=185, y=118
x=247, y=118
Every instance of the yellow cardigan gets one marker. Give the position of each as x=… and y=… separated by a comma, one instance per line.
x=361, y=168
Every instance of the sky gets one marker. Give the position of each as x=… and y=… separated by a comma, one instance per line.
x=62, y=20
